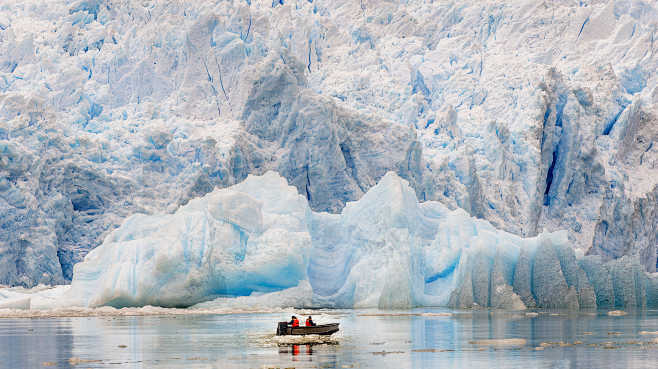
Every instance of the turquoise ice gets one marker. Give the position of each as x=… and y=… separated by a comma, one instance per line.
x=259, y=242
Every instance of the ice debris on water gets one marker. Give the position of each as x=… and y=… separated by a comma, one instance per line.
x=307, y=339
x=258, y=243
x=500, y=342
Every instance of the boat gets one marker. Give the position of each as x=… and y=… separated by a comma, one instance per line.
x=284, y=329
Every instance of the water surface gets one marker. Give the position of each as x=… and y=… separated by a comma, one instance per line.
x=420, y=338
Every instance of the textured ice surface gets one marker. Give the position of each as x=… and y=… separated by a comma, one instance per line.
x=536, y=116
x=258, y=244
x=251, y=238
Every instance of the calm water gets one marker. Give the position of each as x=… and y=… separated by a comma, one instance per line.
x=422, y=338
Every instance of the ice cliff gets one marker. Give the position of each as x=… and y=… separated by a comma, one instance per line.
x=536, y=117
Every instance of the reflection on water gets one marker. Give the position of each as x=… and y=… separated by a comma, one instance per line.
x=420, y=338
x=24, y=343
x=298, y=352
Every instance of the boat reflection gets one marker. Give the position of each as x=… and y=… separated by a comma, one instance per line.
x=298, y=352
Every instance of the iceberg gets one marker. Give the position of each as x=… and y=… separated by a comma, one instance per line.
x=258, y=243
x=251, y=238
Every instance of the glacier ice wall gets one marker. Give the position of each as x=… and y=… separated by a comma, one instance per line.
x=260, y=238
x=533, y=116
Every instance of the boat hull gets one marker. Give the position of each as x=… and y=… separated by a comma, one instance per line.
x=323, y=329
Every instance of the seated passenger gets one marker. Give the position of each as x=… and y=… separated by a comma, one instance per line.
x=294, y=322
x=309, y=322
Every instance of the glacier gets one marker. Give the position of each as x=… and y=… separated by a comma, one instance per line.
x=536, y=117
x=258, y=243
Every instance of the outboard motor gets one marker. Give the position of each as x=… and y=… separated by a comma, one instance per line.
x=282, y=329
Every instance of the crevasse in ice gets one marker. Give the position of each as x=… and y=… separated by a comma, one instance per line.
x=259, y=239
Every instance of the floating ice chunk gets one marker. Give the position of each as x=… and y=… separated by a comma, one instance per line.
x=39, y=297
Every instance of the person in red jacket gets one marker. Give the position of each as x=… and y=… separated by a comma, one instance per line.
x=309, y=322
x=294, y=322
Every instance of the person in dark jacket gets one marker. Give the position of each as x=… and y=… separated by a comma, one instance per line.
x=310, y=322
x=293, y=322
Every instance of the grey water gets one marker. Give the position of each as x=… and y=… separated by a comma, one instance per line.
x=418, y=338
